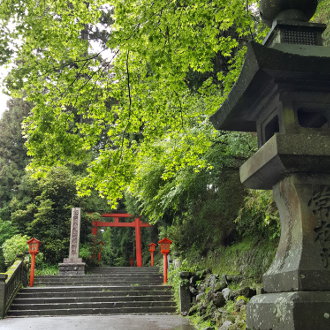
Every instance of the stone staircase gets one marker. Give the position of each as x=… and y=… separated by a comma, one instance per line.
x=106, y=290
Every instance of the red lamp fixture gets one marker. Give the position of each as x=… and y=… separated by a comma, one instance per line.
x=152, y=248
x=164, y=245
x=33, y=244
x=99, y=254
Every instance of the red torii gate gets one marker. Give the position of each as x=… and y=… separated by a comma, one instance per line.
x=137, y=223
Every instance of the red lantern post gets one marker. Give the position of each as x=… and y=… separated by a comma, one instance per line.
x=165, y=244
x=33, y=250
x=152, y=248
x=99, y=254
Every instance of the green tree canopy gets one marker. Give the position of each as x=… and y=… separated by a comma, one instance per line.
x=42, y=209
x=111, y=82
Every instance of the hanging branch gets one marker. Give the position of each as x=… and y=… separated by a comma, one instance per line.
x=129, y=107
x=128, y=87
x=247, y=9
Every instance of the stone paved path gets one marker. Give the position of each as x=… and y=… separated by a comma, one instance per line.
x=99, y=322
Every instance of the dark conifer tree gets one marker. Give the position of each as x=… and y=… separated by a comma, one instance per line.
x=13, y=157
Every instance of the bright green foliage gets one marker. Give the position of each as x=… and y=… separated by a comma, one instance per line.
x=45, y=269
x=323, y=16
x=158, y=195
x=171, y=65
x=14, y=247
x=7, y=230
x=259, y=216
x=198, y=208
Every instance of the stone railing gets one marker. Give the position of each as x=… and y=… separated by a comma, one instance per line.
x=10, y=283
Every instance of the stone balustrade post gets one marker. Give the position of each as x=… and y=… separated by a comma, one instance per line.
x=185, y=295
x=3, y=278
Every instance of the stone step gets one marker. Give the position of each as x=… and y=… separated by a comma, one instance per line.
x=49, y=294
x=100, y=288
x=98, y=279
x=89, y=298
x=105, y=275
x=122, y=272
x=111, y=290
x=125, y=269
x=88, y=311
x=101, y=283
x=74, y=305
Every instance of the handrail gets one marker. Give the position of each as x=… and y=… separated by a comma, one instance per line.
x=10, y=283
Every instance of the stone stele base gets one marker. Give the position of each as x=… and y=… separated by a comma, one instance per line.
x=300, y=310
x=72, y=268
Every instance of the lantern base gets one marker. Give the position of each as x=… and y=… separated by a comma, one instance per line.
x=71, y=269
x=303, y=310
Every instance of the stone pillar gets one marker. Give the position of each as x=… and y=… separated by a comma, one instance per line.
x=73, y=265
x=185, y=295
x=297, y=284
x=3, y=278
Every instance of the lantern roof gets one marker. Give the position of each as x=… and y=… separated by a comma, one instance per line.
x=152, y=244
x=298, y=10
x=33, y=240
x=267, y=69
x=165, y=241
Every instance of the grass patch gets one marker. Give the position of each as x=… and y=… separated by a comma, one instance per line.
x=46, y=270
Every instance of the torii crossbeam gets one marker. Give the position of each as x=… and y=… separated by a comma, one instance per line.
x=137, y=223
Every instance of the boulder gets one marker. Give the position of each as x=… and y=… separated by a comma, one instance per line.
x=193, y=290
x=218, y=299
x=220, y=285
x=225, y=325
x=185, y=275
x=193, y=310
x=246, y=292
x=226, y=293
x=239, y=304
x=200, y=296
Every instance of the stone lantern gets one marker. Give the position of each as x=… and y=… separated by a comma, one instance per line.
x=283, y=94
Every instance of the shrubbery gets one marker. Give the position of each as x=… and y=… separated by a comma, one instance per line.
x=14, y=247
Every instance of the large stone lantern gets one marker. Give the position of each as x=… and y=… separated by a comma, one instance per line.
x=283, y=94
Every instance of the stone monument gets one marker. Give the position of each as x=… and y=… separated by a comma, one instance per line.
x=283, y=94
x=73, y=265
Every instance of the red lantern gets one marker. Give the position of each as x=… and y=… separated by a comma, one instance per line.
x=33, y=250
x=33, y=245
x=99, y=254
x=152, y=248
x=165, y=244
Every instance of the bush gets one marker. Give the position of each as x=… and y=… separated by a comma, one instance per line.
x=259, y=216
x=14, y=247
x=7, y=230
